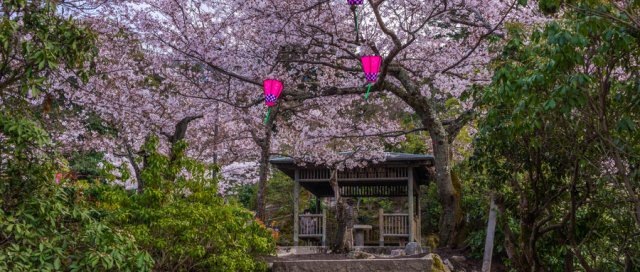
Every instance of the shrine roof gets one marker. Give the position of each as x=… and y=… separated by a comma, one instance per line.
x=389, y=157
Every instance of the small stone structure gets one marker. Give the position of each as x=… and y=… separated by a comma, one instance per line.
x=359, y=233
x=412, y=248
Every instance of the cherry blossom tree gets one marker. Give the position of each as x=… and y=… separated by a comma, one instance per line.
x=134, y=95
x=218, y=52
x=433, y=51
x=202, y=48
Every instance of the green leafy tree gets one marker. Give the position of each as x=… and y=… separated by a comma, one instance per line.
x=559, y=145
x=35, y=40
x=46, y=226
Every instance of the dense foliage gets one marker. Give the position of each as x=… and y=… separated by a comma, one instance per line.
x=63, y=213
x=35, y=40
x=183, y=222
x=559, y=145
x=118, y=118
x=179, y=224
x=46, y=226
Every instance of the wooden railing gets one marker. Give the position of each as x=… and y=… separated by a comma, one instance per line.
x=314, y=174
x=395, y=224
x=390, y=225
x=373, y=190
x=369, y=173
x=312, y=225
x=374, y=173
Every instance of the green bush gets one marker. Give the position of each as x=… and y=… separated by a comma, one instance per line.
x=183, y=223
x=47, y=227
x=51, y=233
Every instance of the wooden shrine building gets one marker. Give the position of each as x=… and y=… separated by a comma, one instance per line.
x=400, y=175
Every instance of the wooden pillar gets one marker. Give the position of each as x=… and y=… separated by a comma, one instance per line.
x=488, y=242
x=324, y=227
x=296, y=200
x=381, y=225
x=419, y=226
x=411, y=204
x=317, y=205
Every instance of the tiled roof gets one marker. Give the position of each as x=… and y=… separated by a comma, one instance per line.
x=390, y=156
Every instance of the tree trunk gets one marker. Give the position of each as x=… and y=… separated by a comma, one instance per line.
x=261, y=212
x=568, y=261
x=526, y=226
x=343, y=241
x=448, y=194
x=265, y=152
x=136, y=169
x=509, y=238
x=178, y=135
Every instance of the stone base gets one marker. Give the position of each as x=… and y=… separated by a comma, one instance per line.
x=300, y=250
x=304, y=250
x=363, y=265
x=378, y=250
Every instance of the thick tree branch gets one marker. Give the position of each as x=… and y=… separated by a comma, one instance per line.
x=454, y=126
x=180, y=129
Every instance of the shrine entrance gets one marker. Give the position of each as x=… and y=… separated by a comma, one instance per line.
x=400, y=175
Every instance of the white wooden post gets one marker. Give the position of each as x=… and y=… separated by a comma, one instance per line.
x=411, y=215
x=491, y=229
x=381, y=225
x=419, y=227
x=296, y=200
x=324, y=226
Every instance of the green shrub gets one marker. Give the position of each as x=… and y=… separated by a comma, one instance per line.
x=47, y=227
x=51, y=233
x=197, y=232
x=183, y=223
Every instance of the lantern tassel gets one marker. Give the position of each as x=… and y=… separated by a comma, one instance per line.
x=366, y=95
x=267, y=117
x=356, y=18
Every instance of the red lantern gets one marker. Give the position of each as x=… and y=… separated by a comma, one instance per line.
x=371, y=67
x=272, y=90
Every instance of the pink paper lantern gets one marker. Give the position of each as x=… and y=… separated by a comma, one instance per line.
x=371, y=67
x=58, y=178
x=272, y=90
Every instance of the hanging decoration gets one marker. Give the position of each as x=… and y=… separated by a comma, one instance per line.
x=371, y=67
x=272, y=90
x=354, y=7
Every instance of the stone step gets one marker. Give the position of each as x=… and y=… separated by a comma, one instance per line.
x=355, y=265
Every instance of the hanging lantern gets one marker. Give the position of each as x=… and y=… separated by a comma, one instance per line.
x=272, y=90
x=371, y=67
x=354, y=4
